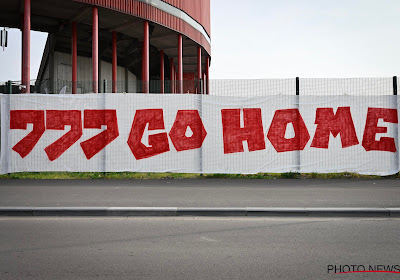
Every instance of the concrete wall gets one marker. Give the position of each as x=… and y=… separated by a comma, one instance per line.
x=122, y=86
x=44, y=87
x=63, y=74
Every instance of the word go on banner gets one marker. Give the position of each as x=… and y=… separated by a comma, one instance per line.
x=199, y=134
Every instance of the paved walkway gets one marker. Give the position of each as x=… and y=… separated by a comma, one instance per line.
x=219, y=193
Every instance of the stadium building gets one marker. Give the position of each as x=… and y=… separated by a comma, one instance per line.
x=115, y=45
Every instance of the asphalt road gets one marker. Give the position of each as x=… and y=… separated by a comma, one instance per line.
x=201, y=193
x=195, y=248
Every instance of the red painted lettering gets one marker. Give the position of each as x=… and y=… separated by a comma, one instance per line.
x=371, y=129
x=19, y=120
x=187, y=119
x=94, y=119
x=158, y=142
x=276, y=133
x=234, y=134
x=329, y=122
x=57, y=120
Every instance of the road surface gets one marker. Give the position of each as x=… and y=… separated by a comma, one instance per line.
x=195, y=248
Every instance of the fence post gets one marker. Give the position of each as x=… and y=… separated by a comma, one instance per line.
x=398, y=138
x=104, y=86
x=200, y=100
x=298, y=162
x=9, y=87
x=200, y=90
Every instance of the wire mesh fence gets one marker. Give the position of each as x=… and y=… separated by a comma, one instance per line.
x=107, y=86
x=371, y=147
x=231, y=87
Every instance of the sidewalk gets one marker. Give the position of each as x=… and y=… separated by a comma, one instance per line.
x=201, y=193
x=201, y=197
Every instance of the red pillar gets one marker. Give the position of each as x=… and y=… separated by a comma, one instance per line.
x=203, y=84
x=208, y=75
x=74, y=58
x=114, y=62
x=175, y=82
x=26, y=43
x=180, y=64
x=95, y=50
x=198, y=70
x=171, y=66
x=162, y=70
x=145, y=59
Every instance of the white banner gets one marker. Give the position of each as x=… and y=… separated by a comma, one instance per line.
x=199, y=134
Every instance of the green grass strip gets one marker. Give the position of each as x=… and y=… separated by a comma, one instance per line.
x=148, y=176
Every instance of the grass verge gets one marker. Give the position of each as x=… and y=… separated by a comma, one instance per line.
x=144, y=176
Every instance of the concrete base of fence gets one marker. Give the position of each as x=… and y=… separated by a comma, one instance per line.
x=194, y=212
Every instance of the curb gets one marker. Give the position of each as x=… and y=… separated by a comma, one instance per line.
x=194, y=212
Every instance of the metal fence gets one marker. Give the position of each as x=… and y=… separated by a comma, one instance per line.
x=305, y=86
x=233, y=87
x=301, y=94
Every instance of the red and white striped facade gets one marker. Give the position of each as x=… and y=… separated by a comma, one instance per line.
x=199, y=10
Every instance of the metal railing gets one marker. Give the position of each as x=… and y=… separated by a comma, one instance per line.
x=237, y=87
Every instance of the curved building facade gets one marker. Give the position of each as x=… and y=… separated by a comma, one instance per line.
x=158, y=46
